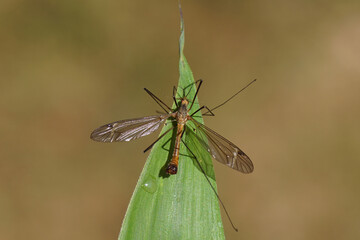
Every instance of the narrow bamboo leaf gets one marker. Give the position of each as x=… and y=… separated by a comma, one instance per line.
x=181, y=206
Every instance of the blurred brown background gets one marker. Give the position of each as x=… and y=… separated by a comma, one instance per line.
x=67, y=67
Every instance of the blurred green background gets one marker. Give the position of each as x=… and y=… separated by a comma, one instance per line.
x=67, y=67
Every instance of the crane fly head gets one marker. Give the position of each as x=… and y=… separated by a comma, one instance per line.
x=184, y=101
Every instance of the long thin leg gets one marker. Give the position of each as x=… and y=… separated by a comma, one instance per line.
x=158, y=101
x=162, y=135
x=212, y=187
x=232, y=96
x=174, y=96
x=209, y=111
x=192, y=85
x=197, y=91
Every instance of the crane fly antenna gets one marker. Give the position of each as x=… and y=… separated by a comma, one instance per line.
x=212, y=187
x=232, y=96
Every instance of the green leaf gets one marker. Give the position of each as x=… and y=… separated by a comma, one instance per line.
x=181, y=206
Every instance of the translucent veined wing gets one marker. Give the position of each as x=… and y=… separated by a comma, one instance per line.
x=221, y=149
x=127, y=130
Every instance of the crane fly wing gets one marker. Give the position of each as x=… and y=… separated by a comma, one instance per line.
x=127, y=130
x=222, y=149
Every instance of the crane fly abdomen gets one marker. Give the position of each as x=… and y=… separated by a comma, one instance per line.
x=181, y=117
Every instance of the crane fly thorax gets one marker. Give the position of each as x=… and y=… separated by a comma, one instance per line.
x=182, y=112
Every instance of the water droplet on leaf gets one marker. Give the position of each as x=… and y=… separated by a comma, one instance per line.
x=149, y=184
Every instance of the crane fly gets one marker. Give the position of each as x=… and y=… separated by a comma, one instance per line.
x=219, y=147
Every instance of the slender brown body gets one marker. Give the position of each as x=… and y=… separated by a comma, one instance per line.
x=181, y=117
